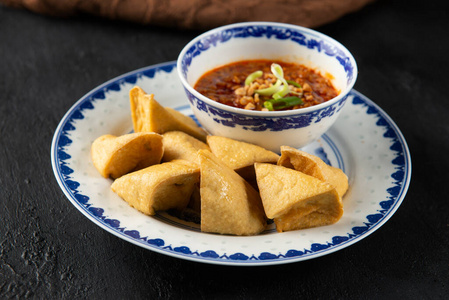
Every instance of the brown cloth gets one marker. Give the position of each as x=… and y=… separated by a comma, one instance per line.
x=198, y=14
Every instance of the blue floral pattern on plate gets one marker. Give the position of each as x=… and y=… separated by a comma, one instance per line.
x=338, y=147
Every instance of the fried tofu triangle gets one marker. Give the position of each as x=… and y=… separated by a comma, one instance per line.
x=114, y=156
x=240, y=156
x=229, y=205
x=179, y=145
x=149, y=116
x=295, y=200
x=159, y=187
x=314, y=166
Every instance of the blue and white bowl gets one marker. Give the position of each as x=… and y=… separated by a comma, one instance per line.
x=272, y=41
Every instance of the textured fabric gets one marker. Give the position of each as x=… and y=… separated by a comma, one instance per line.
x=198, y=14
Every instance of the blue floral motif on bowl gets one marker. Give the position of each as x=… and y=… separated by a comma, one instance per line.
x=268, y=31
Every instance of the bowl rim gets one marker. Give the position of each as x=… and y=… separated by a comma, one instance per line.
x=258, y=113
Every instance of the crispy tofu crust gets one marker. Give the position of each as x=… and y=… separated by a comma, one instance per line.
x=180, y=145
x=115, y=156
x=159, y=187
x=295, y=200
x=229, y=205
x=314, y=166
x=149, y=116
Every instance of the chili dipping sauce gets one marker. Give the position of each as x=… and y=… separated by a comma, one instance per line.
x=226, y=85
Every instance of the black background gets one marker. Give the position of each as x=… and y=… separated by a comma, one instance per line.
x=48, y=249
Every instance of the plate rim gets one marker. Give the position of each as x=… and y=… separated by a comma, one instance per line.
x=281, y=259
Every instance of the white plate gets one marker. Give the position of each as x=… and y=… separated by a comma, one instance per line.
x=364, y=142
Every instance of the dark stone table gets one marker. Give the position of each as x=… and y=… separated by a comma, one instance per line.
x=49, y=250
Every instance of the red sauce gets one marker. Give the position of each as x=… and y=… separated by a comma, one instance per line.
x=224, y=84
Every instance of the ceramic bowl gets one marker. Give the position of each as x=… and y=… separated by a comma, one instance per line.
x=266, y=40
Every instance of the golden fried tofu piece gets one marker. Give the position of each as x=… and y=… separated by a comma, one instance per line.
x=314, y=166
x=229, y=205
x=149, y=116
x=180, y=145
x=114, y=156
x=240, y=156
x=295, y=200
x=159, y=187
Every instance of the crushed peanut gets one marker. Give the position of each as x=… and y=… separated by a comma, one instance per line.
x=247, y=95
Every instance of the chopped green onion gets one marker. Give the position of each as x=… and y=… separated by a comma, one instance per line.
x=277, y=71
x=270, y=90
x=253, y=76
x=294, y=83
x=281, y=103
x=282, y=92
x=268, y=105
x=289, y=102
x=278, y=91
